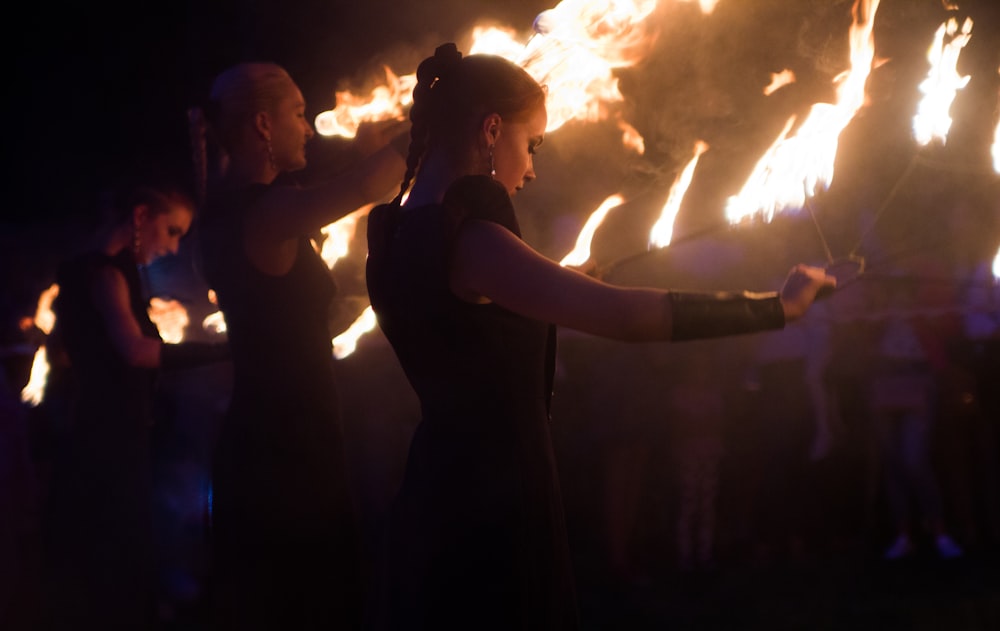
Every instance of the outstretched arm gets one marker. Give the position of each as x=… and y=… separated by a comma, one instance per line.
x=491, y=263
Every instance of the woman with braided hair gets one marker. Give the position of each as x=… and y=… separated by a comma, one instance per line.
x=286, y=549
x=476, y=538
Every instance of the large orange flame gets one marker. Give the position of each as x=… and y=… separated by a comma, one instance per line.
x=796, y=167
x=932, y=120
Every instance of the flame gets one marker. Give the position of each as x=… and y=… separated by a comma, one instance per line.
x=385, y=102
x=779, y=80
x=996, y=265
x=663, y=229
x=45, y=319
x=796, y=167
x=574, y=50
x=214, y=322
x=34, y=391
x=581, y=252
x=932, y=120
x=170, y=317
x=345, y=343
x=339, y=235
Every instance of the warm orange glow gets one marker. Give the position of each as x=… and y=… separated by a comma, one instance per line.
x=339, y=235
x=170, y=317
x=346, y=343
x=34, y=391
x=385, y=102
x=798, y=166
x=663, y=229
x=779, y=80
x=581, y=252
x=933, y=120
x=45, y=319
x=573, y=52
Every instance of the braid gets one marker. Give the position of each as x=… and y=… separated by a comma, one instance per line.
x=427, y=107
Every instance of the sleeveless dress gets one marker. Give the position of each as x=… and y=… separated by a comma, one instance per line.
x=284, y=535
x=98, y=523
x=476, y=536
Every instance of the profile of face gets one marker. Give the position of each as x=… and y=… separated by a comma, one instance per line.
x=159, y=233
x=514, y=144
x=290, y=130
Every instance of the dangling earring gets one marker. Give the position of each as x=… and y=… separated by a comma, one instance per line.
x=270, y=154
x=493, y=168
x=136, y=240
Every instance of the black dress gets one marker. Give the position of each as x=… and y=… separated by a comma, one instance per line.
x=476, y=538
x=98, y=516
x=284, y=536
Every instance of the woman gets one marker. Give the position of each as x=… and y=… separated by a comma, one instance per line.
x=477, y=539
x=286, y=549
x=98, y=521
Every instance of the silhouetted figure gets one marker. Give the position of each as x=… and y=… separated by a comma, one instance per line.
x=477, y=537
x=286, y=551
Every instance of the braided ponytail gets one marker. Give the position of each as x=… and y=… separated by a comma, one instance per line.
x=426, y=108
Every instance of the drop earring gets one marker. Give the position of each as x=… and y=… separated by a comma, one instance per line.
x=493, y=168
x=270, y=154
x=136, y=240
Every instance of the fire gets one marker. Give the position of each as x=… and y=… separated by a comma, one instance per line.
x=996, y=265
x=44, y=319
x=796, y=167
x=779, y=80
x=339, y=235
x=387, y=101
x=581, y=252
x=34, y=391
x=575, y=48
x=932, y=120
x=663, y=229
x=170, y=317
x=345, y=343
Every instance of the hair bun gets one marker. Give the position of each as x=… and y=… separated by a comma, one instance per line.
x=444, y=61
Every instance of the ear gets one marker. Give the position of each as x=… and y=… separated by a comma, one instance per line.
x=262, y=124
x=491, y=127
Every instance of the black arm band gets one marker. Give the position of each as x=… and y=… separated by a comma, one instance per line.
x=701, y=315
x=192, y=354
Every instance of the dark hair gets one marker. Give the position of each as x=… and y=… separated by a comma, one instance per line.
x=454, y=93
x=149, y=185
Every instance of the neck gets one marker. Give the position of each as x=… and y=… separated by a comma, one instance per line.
x=244, y=170
x=435, y=176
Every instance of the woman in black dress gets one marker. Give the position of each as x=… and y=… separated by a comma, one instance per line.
x=476, y=538
x=286, y=551
x=98, y=529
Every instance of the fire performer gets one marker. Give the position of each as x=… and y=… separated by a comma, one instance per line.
x=97, y=523
x=285, y=546
x=476, y=538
